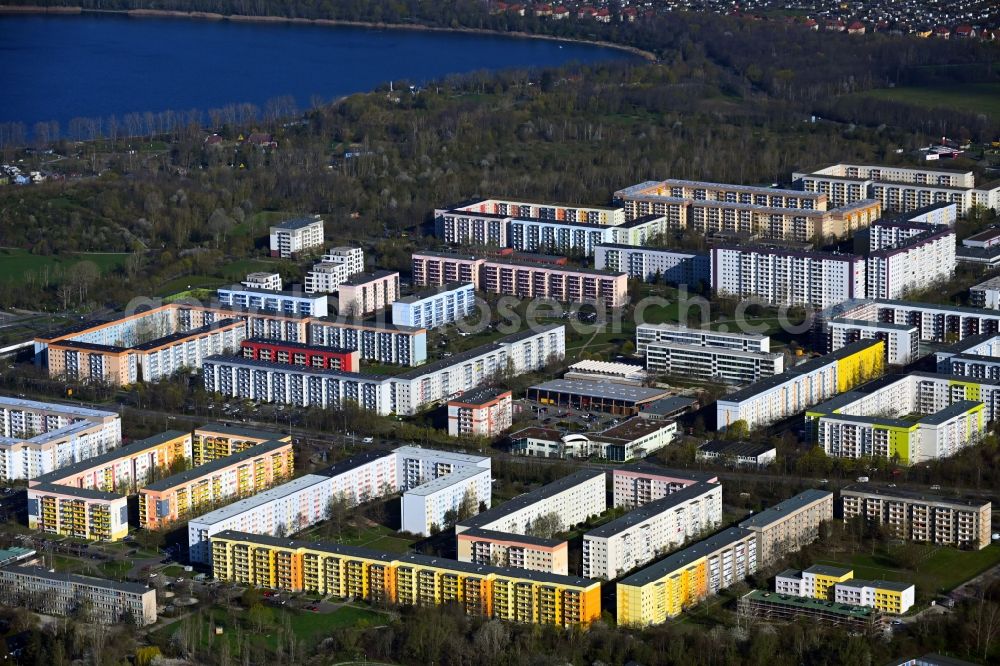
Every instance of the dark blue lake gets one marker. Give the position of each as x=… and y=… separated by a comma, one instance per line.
x=63, y=67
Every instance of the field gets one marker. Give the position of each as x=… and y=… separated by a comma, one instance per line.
x=970, y=98
x=377, y=537
x=937, y=570
x=15, y=263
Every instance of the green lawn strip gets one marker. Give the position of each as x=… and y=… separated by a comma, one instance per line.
x=186, y=282
x=982, y=97
x=15, y=263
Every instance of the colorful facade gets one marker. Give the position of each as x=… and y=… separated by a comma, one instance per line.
x=216, y=440
x=296, y=353
x=346, y=571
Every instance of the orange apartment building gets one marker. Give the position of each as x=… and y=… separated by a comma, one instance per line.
x=482, y=412
x=240, y=475
x=214, y=441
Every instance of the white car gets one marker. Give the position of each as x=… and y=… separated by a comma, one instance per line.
x=368, y=440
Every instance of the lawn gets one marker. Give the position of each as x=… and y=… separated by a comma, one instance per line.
x=187, y=282
x=14, y=263
x=970, y=98
x=377, y=537
x=938, y=570
x=236, y=271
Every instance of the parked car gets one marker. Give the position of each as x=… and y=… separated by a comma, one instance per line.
x=368, y=440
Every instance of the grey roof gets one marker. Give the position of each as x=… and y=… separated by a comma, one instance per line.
x=670, y=405
x=884, y=584
x=182, y=335
x=529, y=498
x=447, y=480
x=300, y=345
x=261, y=498
x=479, y=396
x=914, y=496
x=493, y=535
x=215, y=465
x=83, y=493
x=35, y=405
x=412, y=558
x=827, y=570
x=656, y=470
x=731, y=448
x=58, y=577
x=604, y=390
x=296, y=223
x=273, y=292
x=365, y=278
x=109, y=456
x=555, y=269
x=651, y=510
x=663, y=250
x=240, y=431
x=782, y=509
x=434, y=291
x=873, y=324
x=238, y=360
x=685, y=557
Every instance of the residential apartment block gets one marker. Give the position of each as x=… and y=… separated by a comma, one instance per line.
x=377, y=342
x=908, y=419
x=787, y=277
x=576, y=285
x=436, y=269
x=263, y=280
x=295, y=236
x=102, y=601
x=296, y=353
x=435, y=307
x=435, y=483
x=214, y=441
x=908, y=257
x=787, y=608
x=37, y=438
x=364, y=293
x=986, y=294
x=942, y=521
x=516, y=551
x=934, y=322
x=651, y=264
x=650, y=530
x=902, y=341
x=666, y=588
x=690, y=352
x=480, y=413
x=267, y=300
x=899, y=189
x=250, y=471
x=516, y=595
x=573, y=498
x=296, y=504
x=840, y=586
x=802, y=386
x=338, y=264
x=790, y=524
x=636, y=485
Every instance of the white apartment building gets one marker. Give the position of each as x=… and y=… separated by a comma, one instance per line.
x=986, y=294
x=573, y=498
x=899, y=189
x=787, y=277
x=634, y=438
x=943, y=521
x=104, y=601
x=40, y=437
x=651, y=264
x=701, y=337
x=906, y=261
x=296, y=235
x=934, y=322
x=876, y=594
x=297, y=504
x=649, y=531
x=902, y=341
x=263, y=280
x=336, y=266
x=435, y=307
x=711, y=355
x=281, y=302
x=381, y=343
x=364, y=293
x=435, y=484
x=640, y=484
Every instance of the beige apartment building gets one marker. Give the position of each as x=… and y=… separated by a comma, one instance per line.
x=575, y=285
x=789, y=525
x=364, y=293
x=965, y=522
x=434, y=269
x=501, y=549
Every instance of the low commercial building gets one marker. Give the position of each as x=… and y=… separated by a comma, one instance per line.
x=214, y=441
x=636, y=485
x=267, y=300
x=787, y=608
x=516, y=595
x=435, y=269
x=905, y=419
x=651, y=264
x=296, y=353
x=295, y=236
x=902, y=341
x=787, y=277
x=650, y=530
x=263, y=280
x=633, y=438
x=790, y=524
x=239, y=475
x=374, y=341
x=483, y=412
x=364, y=293
x=802, y=386
x=573, y=499
x=916, y=516
x=618, y=399
x=575, y=285
x=435, y=307
x=88, y=500
x=666, y=588
x=737, y=453
x=95, y=599
x=618, y=373
x=37, y=438
x=517, y=551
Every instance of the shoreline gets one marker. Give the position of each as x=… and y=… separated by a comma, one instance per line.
x=241, y=18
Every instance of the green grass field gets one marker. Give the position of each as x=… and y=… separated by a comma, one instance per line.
x=938, y=569
x=970, y=98
x=378, y=537
x=14, y=263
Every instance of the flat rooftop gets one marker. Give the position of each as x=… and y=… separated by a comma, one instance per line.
x=238, y=431
x=297, y=223
x=215, y=465
x=782, y=509
x=668, y=565
x=914, y=496
x=56, y=577
x=493, y=535
x=480, y=396
x=827, y=570
x=651, y=510
x=739, y=448
x=602, y=390
x=184, y=335
x=297, y=345
x=447, y=480
x=633, y=428
x=68, y=410
x=365, y=278
x=812, y=605
x=664, y=473
x=260, y=499
x=431, y=292
x=533, y=497
x=109, y=456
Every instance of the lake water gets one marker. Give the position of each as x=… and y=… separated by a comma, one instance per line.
x=62, y=67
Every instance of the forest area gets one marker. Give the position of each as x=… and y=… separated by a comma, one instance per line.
x=727, y=100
